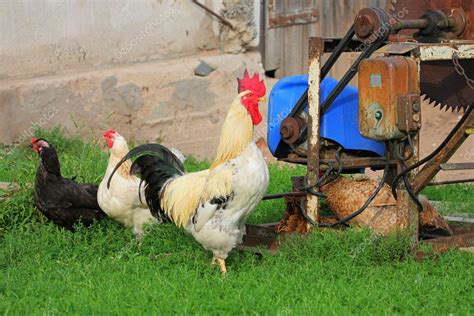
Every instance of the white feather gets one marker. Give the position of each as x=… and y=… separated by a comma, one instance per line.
x=223, y=228
x=203, y=215
x=121, y=201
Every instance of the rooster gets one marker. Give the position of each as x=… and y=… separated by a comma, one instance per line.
x=121, y=200
x=212, y=204
x=63, y=201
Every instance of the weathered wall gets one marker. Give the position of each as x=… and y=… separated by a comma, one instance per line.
x=286, y=48
x=44, y=37
x=146, y=102
x=128, y=65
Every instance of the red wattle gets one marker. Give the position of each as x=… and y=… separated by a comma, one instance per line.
x=110, y=143
x=252, y=107
x=255, y=115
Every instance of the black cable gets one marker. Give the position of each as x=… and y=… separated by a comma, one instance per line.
x=317, y=183
x=435, y=152
x=409, y=188
x=371, y=197
x=322, y=181
x=400, y=152
x=339, y=160
x=366, y=204
x=401, y=149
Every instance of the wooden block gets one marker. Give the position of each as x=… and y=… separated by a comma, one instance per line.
x=467, y=249
x=9, y=186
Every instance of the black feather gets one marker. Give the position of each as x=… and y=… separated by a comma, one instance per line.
x=222, y=201
x=64, y=201
x=156, y=164
x=155, y=150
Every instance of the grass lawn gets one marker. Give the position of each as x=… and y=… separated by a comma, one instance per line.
x=102, y=270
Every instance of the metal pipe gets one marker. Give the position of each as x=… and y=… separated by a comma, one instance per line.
x=451, y=182
x=281, y=195
x=410, y=24
x=222, y=19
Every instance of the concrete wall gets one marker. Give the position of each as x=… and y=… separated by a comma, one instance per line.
x=45, y=37
x=129, y=65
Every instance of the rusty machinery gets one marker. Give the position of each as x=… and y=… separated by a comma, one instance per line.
x=424, y=53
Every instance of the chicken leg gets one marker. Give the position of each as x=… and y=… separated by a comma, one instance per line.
x=221, y=263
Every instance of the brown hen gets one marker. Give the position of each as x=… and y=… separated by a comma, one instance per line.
x=345, y=196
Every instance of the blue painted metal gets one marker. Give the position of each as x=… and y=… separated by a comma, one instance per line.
x=339, y=123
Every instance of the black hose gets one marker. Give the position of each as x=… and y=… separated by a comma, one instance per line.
x=409, y=188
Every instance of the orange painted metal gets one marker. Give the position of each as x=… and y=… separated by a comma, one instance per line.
x=382, y=81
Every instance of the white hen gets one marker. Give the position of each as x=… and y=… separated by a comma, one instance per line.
x=121, y=201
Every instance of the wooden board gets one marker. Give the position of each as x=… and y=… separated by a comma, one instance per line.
x=286, y=48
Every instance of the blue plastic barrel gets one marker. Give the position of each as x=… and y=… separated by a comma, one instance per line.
x=339, y=123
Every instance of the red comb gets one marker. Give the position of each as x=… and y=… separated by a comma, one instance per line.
x=253, y=84
x=33, y=140
x=109, y=131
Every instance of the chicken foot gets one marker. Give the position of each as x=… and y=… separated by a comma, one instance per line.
x=221, y=263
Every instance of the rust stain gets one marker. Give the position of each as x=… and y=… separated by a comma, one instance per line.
x=381, y=81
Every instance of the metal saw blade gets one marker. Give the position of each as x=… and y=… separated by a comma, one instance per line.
x=444, y=86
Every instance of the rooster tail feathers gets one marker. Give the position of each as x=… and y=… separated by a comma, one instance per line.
x=156, y=172
x=159, y=152
x=156, y=164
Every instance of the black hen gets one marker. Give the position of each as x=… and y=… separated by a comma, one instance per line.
x=62, y=200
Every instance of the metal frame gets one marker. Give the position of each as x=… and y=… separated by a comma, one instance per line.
x=316, y=50
x=320, y=155
x=407, y=210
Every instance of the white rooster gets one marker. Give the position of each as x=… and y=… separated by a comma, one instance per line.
x=213, y=204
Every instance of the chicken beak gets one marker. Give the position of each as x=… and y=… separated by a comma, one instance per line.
x=262, y=99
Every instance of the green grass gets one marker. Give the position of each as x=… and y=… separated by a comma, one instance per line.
x=456, y=198
x=102, y=270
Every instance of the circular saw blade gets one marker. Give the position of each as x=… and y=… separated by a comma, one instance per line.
x=444, y=86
